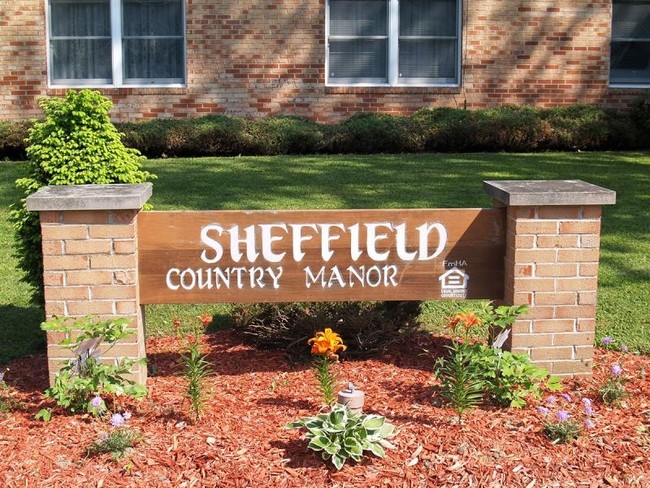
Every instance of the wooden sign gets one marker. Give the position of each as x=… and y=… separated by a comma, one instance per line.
x=320, y=255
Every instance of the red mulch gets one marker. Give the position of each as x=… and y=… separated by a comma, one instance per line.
x=242, y=441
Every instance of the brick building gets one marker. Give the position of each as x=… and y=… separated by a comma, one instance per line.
x=322, y=59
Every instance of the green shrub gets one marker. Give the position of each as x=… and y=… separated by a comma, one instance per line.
x=367, y=328
x=75, y=144
x=369, y=133
x=12, y=139
x=283, y=135
x=507, y=128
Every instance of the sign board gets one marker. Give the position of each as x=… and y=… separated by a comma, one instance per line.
x=320, y=255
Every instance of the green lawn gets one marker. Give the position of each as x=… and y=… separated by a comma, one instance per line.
x=389, y=181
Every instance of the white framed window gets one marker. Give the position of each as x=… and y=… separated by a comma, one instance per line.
x=393, y=42
x=116, y=42
x=630, y=43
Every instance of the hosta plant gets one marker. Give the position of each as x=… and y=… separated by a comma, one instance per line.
x=341, y=435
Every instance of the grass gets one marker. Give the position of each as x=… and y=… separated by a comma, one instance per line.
x=394, y=181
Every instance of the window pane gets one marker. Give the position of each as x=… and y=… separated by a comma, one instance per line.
x=358, y=58
x=81, y=59
x=427, y=18
x=428, y=58
x=358, y=18
x=153, y=58
x=80, y=18
x=630, y=62
x=153, y=18
x=631, y=20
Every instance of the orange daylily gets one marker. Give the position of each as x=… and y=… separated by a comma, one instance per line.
x=467, y=319
x=326, y=343
x=206, y=319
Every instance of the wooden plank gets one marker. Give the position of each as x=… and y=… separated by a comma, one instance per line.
x=320, y=255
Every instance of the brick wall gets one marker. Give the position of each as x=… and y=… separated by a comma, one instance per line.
x=552, y=265
x=263, y=57
x=90, y=268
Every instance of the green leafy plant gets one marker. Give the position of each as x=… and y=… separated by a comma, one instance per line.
x=75, y=144
x=325, y=346
x=86, y=376
x=197, y=367
x=473, y=369
x=562, y=422
x=341, y=435
x=613, y=391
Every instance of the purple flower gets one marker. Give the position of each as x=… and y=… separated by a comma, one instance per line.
x=586, y=402
x=562, y=415
x=96, y=402
x=126, y=415
x=589, y=411
x=589, y=424
x=616, y=369
x=624, y=348
x=543, y=410
x=117, y=420
x=607, y=340
x=551, y=400
x=566, y=397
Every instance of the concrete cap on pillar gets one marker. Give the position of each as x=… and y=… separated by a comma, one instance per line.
x=548, y=192
x=90, y=197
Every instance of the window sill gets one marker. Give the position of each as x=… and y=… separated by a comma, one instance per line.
x=617, y=87
x=123, y=90
x=392, y=90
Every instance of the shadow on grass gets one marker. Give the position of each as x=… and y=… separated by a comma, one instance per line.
x=21, y=332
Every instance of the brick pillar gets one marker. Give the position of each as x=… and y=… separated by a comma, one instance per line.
x=551, y=264
x=90, y=261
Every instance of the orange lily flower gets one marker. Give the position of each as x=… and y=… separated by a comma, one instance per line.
x=206, y=319
x=326, y=343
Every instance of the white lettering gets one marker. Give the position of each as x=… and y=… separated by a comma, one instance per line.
x=168, y=279
x=275, y=277
x=268, y=239
x=326, y=238
x=211, y=243
x=400, y=244
x=372, y=238
x=298, y=239
x=248, y=240
x=425, y=230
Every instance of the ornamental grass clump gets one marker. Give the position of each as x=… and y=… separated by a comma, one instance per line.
x=613, y=391
x=324, y=347
x=341, y=435
x=197, y=367
x=564, y=421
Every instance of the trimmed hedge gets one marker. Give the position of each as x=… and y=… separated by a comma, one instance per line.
x=510, y=129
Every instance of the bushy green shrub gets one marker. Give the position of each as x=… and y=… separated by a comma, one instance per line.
x=369, y=133
x=12, y=139
x=507, y=128
x=367, y=328
x=75, y=144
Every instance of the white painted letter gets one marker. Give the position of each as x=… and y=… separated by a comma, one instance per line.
x=424, y=230
x=310, y=279
x=355, y=250
x=168, y=280
x=400, y=244
x=268, y=239
x=249, y=241
x=373, y=237
x=211, y=243
x=298, y=239
x=326, y=238
x=275, y=277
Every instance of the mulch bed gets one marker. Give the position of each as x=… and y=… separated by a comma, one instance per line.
x=241, y=441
